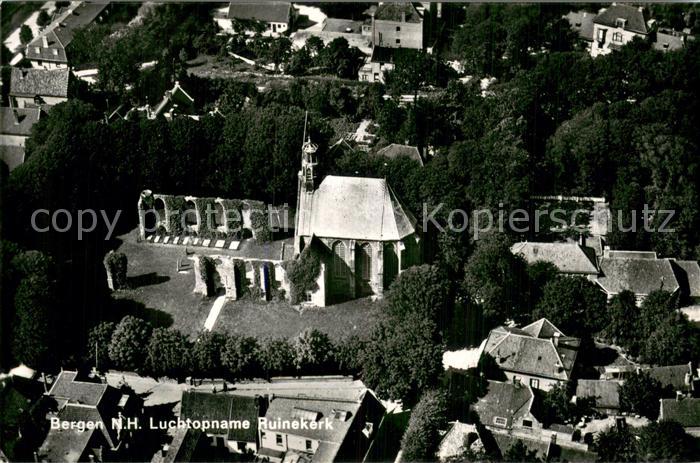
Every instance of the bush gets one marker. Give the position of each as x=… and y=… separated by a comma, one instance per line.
x=117, y=264
x=303, y=273
x=420, y=441
x=43, y=19
x=261, y=224
x=25, y=34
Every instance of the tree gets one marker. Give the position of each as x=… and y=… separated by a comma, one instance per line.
x=655, y=309
x=421, y=290
x=313, y=351
x=640, y=394
x=675, y=341
x=276, y=357
x=167, y=353
x=520, y=453
x=43, y=19
x=574, y=304
x=25, y=34
x=623, y=325
x=558, y=408
x=666, y=441
x=422, y=436
x=97, y=349
x=494, y=278
x=616, y=444
x=240, y=357
x=206, y=354
x=127, y=349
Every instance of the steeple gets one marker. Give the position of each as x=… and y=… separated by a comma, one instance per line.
x=307, y=183
x=308, y=164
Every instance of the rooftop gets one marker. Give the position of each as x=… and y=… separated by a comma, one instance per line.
x=630, y=18
x=673, y=376
x=396, y=150
x=581, y=22
x=358, y=208
x=567, y=257
x=688, y=276
x=45, y=82
x=223, y=406
x=18, y=121
x=277, y=12
x=519, y=351
x=397, y=11
x=686, y=411
x=81, y=392
x=504, y=400
x=605, y=393
x=641, y=276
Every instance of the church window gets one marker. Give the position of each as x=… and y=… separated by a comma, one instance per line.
x=339, y=259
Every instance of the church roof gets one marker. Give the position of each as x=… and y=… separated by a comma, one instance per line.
x=359, y=208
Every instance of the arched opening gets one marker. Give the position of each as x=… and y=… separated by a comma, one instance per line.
x=391, y=264
x=159, y=207
x=191, y=216
x=363, y=268
x=219, y=215
x=339, y=266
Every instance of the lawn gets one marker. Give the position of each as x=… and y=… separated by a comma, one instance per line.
x=164, y=296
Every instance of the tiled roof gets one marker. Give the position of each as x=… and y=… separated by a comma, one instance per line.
x=567, y=257
x=518, y=351
x=60, y=32
x=18, y=121
x=667, y=42
x=630, y=254
x=396, y=150
x=80, y=392
x=183, y=445
x=633, y=17
x=384, y=54
x=359, y=208
x=506, y=441
x=271, y=12
x=399, y=11
x=12, y=156
x=456, y=440
x=177, y=95
x=605, y=393
x=542, y=328
x=686, y=411
x=43, y=82
x=503, y=400
x=581, y=22
x=198, y=405
x=673, y=376
x=688, y=276
x=641, y=276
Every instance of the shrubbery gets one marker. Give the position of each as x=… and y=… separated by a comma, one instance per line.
x=303, y=273
x=117, y=264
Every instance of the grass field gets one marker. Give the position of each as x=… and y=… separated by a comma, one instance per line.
x=163, y=296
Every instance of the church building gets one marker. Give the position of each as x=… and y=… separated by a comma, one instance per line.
x=368, y=236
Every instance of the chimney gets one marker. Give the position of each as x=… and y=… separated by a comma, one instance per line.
x=582, y=240
x=403, y=16
x=44, y=41
x=555, y=339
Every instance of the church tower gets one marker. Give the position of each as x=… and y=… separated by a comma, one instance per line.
x=307, y=182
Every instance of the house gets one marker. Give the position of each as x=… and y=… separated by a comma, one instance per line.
x=366, y=235
x=175, y=101
x=668, y=41
x=582, y=23
x=396, y=25
x=605, y=395
x=395, y=150
x=380, y=62
x=685, y=411
x=49, y=49
x=616, y=26
x=200, y=405
x=319, y=428
x=187, y=445
x=80, y=402
x=269, y=18
x=639, y=272
x=37, y=88
x=460, y=438
x=15, y=127
x=676, y=379
x=569, y=258
x=507, y=406
x=538, y=355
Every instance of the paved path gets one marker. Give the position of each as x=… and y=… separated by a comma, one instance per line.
x=214, y=312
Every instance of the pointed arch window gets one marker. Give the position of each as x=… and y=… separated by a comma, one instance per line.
x=339, y=266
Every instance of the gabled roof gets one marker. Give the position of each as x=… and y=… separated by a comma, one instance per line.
x=567, y=257
x=518, y=351
x=18, y=121
x=44, y=82
x=633, y=18
x=176, y=95
x=641, y=276
x=542, y=328
x=66, y=387
x=605, y=393
x=359, y=208
x=581, y=22
x=398, y=12
x=384, y=54
x=667, y=42
x=199, y=405
x=686, y=411
x=672, y=376
x=396, y=150
x=504, y=400
x=457, y=440
x=270, y=12
x=688, y=276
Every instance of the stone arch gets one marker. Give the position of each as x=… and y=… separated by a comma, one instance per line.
x=391, y=264
x=191, y=215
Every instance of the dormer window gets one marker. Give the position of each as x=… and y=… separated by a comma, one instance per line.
x=500, y=421
x=620, y=22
